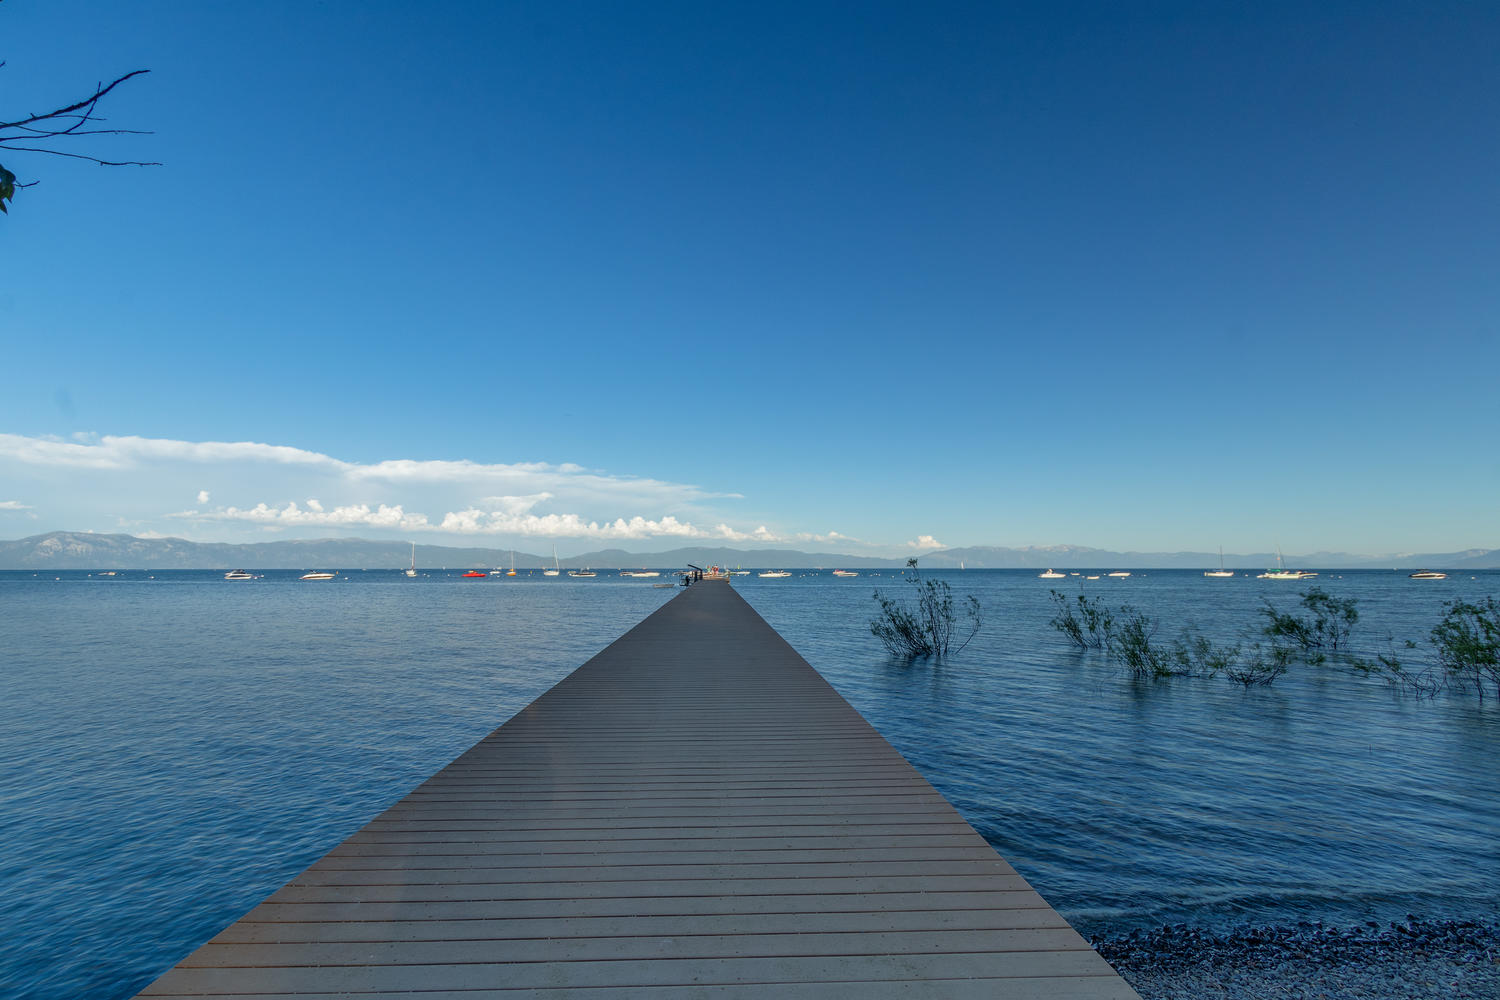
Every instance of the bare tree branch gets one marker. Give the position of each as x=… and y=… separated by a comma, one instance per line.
x=87, y=102
x=62, y=123
x=81, y=156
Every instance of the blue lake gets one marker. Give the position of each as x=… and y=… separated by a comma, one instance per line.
x=176, y=746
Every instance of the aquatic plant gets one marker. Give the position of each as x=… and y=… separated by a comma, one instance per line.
x=1197, y=655
x=1259, y=670
x=1468, y=644
x=1089, y=627
x=1329, y=623
x=926, y=627
x=1130, y=644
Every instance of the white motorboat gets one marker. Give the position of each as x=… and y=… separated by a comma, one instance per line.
x=1052, y=575
x=775, y=574
x=582, y=572
x=1428, y=574
x=844, y=572
x=1118, y=572
x=640, y=573
x=239, y=574
x=317, y=576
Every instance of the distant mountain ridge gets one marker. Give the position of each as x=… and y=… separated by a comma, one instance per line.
x=88, y=550
x=1082, y=557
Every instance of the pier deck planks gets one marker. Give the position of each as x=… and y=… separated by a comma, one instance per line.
x=693, y=812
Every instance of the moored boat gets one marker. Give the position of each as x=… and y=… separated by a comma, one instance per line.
x=1282, y=573
x=317, y=576
x=239, y=574
x=774, y=574
x=1428, y=574
x=474, y=574
x=844, y=572
x=1052, y=575
x=1221, y=571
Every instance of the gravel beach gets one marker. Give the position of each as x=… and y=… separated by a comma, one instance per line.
x=1414, y=960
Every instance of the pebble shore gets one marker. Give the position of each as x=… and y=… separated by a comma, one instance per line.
x=1414, y=960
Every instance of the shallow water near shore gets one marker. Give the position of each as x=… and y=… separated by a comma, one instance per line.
x=178, y=746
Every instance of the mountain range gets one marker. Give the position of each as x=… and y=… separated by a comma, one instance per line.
x=88, y=550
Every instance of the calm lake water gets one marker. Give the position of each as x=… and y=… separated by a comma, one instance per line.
x=176, y=747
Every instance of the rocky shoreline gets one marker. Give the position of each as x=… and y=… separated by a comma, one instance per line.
x=1414, y=960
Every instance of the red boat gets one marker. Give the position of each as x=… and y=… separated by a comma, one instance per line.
x=474, y=574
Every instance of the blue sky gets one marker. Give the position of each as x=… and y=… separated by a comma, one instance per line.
x=845, y=276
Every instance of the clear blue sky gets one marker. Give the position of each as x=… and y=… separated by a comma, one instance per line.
x=1138, y=276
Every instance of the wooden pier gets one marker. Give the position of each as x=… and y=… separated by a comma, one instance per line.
x=693, y=812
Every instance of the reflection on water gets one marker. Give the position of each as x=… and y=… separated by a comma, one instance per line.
x=176, y=748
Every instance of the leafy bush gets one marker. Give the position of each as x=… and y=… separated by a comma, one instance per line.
x=1330, y=623
x=1130, y=644
x=1198, y=656
x=1089, y=627
x=926, y=628
x=1468, y=643
x=1259, y=670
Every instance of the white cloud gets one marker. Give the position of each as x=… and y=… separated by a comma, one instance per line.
x=255, y=483
x=109, y=452
x=353, y=515
x=518, y=505
x=925, y=542
x=519, y=479
x=503, y=522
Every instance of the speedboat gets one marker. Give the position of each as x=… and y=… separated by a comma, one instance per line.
x=1052, y=575
x=582, y=572
x=239, y=574
x=474, y=574
x=1118, y=572
x=774, y=574
x=642, y=573
x=844, y=572
x=1427, y=574
x=317, y=576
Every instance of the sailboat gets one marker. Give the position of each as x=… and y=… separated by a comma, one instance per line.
x=1221, y=571
x=512, y=570
x=555, y=569
x=1281, y=572
x=413, y=570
